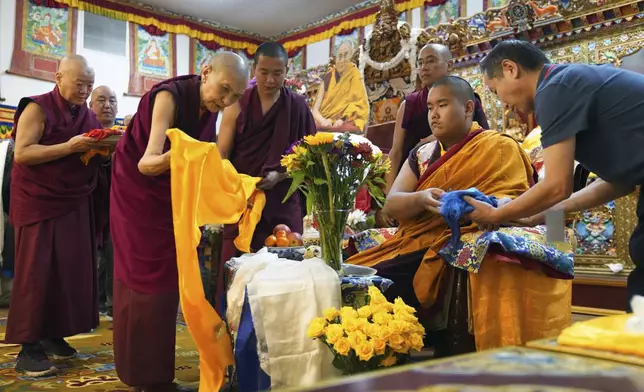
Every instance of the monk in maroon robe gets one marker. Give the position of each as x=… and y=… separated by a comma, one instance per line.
x=146, y=292
x=254, y=135
x=412, y=127
x=54, y=290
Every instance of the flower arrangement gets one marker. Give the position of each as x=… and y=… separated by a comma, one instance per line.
x=330, y=168
x=380, y=334
x=295, y=85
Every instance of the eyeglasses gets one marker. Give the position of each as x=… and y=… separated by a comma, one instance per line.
x=431, y=61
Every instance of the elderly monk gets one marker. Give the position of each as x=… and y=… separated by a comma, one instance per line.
x=104, y=104
x=254, y=135
x=434, y=62
x=145, y=267
x=342, y=104
x=54, y=290
x=510, y=304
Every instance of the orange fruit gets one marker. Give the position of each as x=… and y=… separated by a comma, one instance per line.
x=280, y=228
x=281, y=234
x=271, y=241
x=282, y=242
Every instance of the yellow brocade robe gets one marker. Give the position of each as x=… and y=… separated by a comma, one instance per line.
x=509, y=304
x=207, y=189
x=347, y=98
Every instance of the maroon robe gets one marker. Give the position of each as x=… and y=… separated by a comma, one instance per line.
x=416, y=124
x=145, y=263
x=55, y=285
x=260, y=141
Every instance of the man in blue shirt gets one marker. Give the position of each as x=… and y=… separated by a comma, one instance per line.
x=590, y=113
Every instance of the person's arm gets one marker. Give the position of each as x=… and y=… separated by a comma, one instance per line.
x=563, y=111
x=31, y=126
x=594, y=195
x=154, y=161
x=227, y=128
x=404, y=203
x=395, y=155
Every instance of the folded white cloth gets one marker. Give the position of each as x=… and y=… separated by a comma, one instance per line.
x=284, y=297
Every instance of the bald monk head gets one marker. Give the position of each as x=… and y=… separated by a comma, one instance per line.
x=434, y=62
x=451, y=108
x=223, y=81
x=103, y=103
x=75, y=79
x=271, y=66
x=343, y=56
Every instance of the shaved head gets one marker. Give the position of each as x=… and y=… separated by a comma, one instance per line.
x=459, y=87
x=450, y=105
x=434, y=62
x=230, y=62
x=75, y=79
x=104, y=104
x=223, y=81
x=441, y=51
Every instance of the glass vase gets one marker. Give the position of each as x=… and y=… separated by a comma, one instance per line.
x=331, y=225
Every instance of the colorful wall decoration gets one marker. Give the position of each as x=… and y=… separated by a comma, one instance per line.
x=43, y=36
x=199, y=56
x=444, y=13
x=152, y=58
x=6, y=121
x=494, y=3
x=297, y=63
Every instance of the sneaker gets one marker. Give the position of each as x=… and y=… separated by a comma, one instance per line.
x=58, y=348
x=33, y=362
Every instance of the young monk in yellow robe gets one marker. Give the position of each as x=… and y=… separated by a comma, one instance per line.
x=512, y=300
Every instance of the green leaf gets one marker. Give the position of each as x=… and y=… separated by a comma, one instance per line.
x=319, y=181
x=379, y=180
x=298, y=179
x=310, y=163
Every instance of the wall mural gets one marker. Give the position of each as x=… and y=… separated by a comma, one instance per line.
x=443, y=13
x=43, y=36
x=152, y=59
x=297, y=63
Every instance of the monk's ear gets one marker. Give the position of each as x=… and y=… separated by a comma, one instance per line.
x=450, y=65
x=469, y=109
x=205, y=72
x=58, y=78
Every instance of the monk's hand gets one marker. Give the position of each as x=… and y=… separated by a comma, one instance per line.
x=82, y=144
x=535, y=220
x=338, y=123
x=326, y=123
x=484, y=214
x=431, y=199
x=269, y=181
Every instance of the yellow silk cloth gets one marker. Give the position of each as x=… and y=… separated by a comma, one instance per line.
x=346, y=99
x=604, y=333
x=207, y=189
x=510, y=305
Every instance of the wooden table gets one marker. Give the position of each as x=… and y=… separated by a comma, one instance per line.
x=499, y=370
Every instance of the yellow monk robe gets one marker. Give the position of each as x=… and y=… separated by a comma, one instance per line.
x=346, y=98
x=207, y=189
x=509, y=304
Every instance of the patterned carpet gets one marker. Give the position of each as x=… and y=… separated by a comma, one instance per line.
x=93, y=369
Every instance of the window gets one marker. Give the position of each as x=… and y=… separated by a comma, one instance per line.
x=104, y=34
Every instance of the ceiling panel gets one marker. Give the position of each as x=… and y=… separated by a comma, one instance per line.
x=264, y=17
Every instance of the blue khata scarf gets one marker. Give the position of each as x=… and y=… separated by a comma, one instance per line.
x=454, y=207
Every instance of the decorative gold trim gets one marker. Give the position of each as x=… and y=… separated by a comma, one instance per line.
x=595, y=311
x=598, y=279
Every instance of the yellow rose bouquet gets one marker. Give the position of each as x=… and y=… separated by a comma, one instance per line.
x=377, y=335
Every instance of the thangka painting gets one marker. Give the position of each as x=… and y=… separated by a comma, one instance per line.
x=152, y=59
x=494, y=3
x=6, y=121
x=199, y=56
x=444, y=13
x=297, y=63
x=43, y=36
